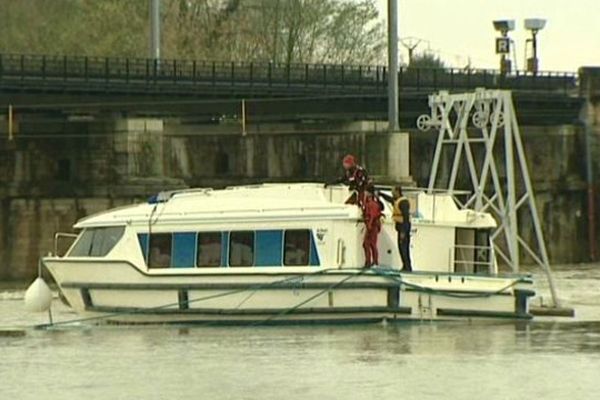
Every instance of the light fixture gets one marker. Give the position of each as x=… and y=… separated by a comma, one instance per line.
x=504, y=26
x=534, y=25
x=503, y=43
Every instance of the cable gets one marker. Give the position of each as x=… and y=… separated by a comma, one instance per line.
x=397, y=277
x=394, y=275
x=311, y=298
x=196, y=300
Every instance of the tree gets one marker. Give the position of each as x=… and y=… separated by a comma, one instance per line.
x=84, y=27
x=280, y=31
x=427, y=60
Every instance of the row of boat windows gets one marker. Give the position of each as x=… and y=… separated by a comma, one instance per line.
x=234, y=249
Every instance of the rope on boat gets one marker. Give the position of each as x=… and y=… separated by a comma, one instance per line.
x=311, y=298
x=396, y=276
x=253, y=290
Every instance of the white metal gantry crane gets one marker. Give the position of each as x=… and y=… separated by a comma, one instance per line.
x=486, y=118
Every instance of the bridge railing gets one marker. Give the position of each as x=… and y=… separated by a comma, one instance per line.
x=147, y=72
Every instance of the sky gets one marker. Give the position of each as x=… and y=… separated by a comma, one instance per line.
x=457, y=30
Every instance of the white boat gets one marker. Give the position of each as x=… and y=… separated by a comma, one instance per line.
x=282, y=253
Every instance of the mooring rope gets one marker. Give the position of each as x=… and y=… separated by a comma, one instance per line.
x=396, y=276
x=252, y=288
x=308, y=300
x=388, y=273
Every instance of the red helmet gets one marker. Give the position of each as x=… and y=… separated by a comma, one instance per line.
x=349, y=161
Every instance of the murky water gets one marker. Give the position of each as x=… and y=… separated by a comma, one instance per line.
x=551, y=359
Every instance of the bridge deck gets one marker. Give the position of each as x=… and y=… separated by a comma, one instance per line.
x=209, y=78
x=211, y=89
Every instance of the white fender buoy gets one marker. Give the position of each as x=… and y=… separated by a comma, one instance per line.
x=38, y=296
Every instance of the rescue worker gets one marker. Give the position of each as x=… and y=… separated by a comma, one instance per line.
x=356, y=177
x=401, y=216
x=372, y=218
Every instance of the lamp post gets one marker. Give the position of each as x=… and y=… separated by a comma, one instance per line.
x=534, y=25
x=155, y=29
x=398, y=147
x=503, y=44
x=393, y=107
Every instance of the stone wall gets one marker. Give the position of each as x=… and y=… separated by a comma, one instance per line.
x=55, y=173
x=28, y=226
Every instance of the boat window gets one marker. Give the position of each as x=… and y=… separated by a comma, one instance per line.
x=209, y=249
x=241, y=249
x=268, y=248
x=160, y=250
x=97, y=242
x=184, y=249
x=297, y=247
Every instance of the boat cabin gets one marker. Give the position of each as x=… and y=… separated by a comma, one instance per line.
x=274, y=226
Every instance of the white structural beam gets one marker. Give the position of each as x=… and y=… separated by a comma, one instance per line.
x=486, y=118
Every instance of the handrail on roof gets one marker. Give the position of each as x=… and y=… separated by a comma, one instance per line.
x=415, y=189
x=165, y=196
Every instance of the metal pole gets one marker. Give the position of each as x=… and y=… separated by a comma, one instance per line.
x=244, y=117
x=535, y=57
x=393, y=109
x=590, y=182
x=10, y=122
x=155, y=29
x=537, y=226
x=511, y=218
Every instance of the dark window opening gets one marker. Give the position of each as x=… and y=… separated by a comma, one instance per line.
x=483, y=252
x=160, y=250
x=209, y=249
x=63, y=170
x=241, y=249
x=472, y=251
x=297, y=247
x=301, y=167
x=221, y=163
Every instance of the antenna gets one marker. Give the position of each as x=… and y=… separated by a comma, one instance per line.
x=410, y=44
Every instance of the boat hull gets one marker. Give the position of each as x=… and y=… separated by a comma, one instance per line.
x=119, y=292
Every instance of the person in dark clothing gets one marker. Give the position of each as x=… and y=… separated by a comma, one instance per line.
x=357, y=179
x=401, y=216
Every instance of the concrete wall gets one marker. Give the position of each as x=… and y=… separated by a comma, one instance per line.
x=28, y=226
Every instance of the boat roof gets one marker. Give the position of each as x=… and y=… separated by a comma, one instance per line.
x=275, y=202
x=250, y=202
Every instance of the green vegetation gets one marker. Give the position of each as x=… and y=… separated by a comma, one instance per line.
x=426, y=60
x=286, y=31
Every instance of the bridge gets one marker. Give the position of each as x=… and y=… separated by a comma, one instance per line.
x=79, y=84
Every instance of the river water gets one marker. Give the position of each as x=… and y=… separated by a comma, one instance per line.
x=543, y=359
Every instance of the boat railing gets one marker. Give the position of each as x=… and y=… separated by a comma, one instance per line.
x=412, y=193
x=472, y=258
x=61, y=236
x=341, y=253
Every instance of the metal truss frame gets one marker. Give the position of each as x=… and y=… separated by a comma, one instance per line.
x=495, y=128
